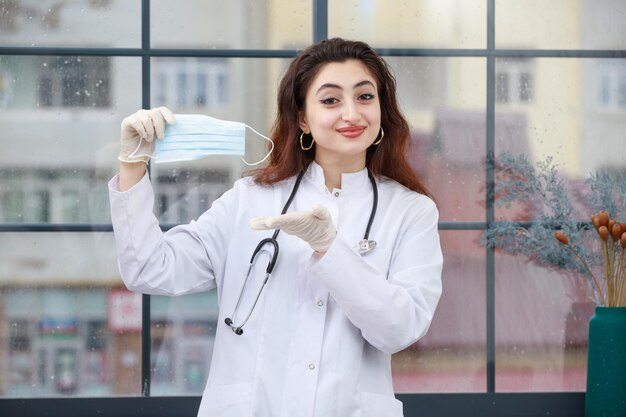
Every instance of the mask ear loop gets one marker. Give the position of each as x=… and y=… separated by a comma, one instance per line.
x=266, y=156
x=132, y=155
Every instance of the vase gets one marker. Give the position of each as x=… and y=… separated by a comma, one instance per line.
x=606, y=363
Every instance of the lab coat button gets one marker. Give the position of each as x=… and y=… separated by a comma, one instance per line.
x=337, y=194
x=320, y=303
x=311, y=366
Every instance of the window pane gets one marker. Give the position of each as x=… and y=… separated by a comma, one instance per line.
x=71, y=23
x=542, y=319
x=69, y=327
x=61, y=118
x=560, y=24
x=235, y=89
x=183, y=332
x=574, y=117
x=444, y=102
x=451, y=357
x=542, y=313
x=268, y=24
x=413, y=24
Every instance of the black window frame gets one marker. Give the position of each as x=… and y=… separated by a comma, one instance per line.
x=489, y=403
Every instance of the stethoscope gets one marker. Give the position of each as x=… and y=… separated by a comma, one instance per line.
x=365, y=245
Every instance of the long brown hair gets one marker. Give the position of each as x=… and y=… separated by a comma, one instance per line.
x=389, y=158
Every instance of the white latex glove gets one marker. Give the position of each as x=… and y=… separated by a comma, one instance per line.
x=314, y=227
x=139, y=131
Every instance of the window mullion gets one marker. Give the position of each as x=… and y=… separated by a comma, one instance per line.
x=490, y=187
x=146, y=342
x=320, y=20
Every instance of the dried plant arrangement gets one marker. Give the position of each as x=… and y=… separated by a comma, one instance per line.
x=550, y=202
x=612, y=237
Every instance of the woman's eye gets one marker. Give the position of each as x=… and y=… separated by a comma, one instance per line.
x=329, y=100
x=366, y=97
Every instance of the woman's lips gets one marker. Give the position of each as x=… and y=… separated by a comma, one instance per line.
x=351, y=132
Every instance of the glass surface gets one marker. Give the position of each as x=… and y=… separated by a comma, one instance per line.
x=560, y=24
x=569, y=110
x=183, y=333
x=237, y=89
x=61, y=121
x=267, y=24
x=410, y=24
x=94, y=23
x=451, y=357
x=542, y=318
x=62, y=334
x=443, y=100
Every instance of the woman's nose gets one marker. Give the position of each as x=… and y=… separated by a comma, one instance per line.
x=351, y=113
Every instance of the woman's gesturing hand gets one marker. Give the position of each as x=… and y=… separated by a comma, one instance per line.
x=314, y=227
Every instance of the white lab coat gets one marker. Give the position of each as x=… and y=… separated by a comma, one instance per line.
x=320, y=340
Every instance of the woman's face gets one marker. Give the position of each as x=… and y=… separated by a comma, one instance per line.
x=342, y=113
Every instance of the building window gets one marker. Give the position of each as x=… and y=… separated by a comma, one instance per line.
x=180, y=198
x=502, y=87
x=96, y=335
x=19, y=337
x=46, y=196
x=192, y=82
x=74, y=81
x=611, y=88
x=514, y=81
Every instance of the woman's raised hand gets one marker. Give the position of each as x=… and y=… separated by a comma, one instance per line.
x=139, y=131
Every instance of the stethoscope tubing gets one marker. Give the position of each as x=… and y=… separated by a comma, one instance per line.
x=374, y=204
x=238, y=329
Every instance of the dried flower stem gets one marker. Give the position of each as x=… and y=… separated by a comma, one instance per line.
x=621, y=278
x=607, y=273
x=614, y=271
x=593, y=277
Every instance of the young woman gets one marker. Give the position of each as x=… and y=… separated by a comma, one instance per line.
x=357, y=272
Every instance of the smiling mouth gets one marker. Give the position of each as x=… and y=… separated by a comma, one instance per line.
x=351, y=132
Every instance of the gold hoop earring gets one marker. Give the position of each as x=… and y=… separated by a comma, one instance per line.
x=382, y=135
x=310, y=146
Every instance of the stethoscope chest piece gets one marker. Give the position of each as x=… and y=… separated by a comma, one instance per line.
x=366, y=245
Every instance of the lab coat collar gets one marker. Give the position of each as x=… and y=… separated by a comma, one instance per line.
x=352, y=181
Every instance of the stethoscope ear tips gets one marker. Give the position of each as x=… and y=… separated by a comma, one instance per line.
x=237, y=330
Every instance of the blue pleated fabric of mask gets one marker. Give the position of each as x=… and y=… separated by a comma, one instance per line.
x=195, y=136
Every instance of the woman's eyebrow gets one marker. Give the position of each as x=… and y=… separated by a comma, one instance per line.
x=338, y=87
x=364, y=82
x=328, y=85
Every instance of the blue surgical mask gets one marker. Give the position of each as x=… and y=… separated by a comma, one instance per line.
x=196, y=136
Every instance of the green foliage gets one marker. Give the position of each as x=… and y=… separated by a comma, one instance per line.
x=608, y=193
x=552, y=202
